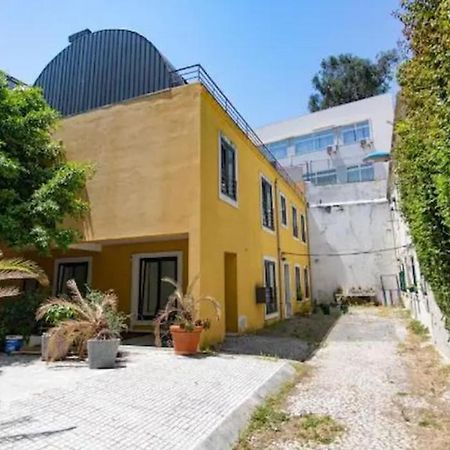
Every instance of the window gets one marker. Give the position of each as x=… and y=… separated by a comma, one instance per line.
x=303, y=227
x=314, y=142
x=355, y=132
x=367, y=172
x=77, y=269
x=267, y=204
x=270, y=282
x=413, y=271
x=228, y=170
x=150, y=292
x=298, y=284
x=364, y=172
x=283, y=210
x=294, y=222
x=306, y=280
x=322, y=177
x=279, y=149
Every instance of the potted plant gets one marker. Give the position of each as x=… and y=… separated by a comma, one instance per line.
x=182, y=311
x=54, y=315
x=94, y=328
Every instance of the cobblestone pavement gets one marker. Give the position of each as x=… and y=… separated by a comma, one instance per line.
x=156, y=400
x=358, y=375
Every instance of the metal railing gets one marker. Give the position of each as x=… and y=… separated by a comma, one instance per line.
x=197, y=74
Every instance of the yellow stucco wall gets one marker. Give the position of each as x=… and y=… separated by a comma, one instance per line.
x=225, y=228
x=112, y=267
x=157, y=178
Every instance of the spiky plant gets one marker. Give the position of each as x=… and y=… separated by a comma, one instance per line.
x=93, y=317
x=183, y=309
x=18, y=269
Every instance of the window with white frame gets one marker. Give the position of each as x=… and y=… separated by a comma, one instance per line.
x=267, y=204
x=283, y=211
x=77, y=269
x=270, y=282
x=294, y=222
x=279, y=149
x=298, y=284
x=303, y=227
x=355, y=132
x=306, y=281
x=228, y=169
x=314, y=142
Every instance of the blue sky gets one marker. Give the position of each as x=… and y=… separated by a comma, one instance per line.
x=263, y=53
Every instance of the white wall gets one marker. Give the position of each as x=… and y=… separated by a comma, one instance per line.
x=379, y=110
x=339, y=225
x=422, y=303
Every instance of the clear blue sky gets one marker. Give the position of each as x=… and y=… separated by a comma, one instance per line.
x=263, y=53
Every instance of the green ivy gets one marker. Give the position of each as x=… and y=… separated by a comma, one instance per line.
x=422, y=149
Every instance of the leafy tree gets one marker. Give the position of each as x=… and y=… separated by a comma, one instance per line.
x=346, y=78
x=422, y=150
x=39, y=189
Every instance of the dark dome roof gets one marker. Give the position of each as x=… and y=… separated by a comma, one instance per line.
x=102, y=68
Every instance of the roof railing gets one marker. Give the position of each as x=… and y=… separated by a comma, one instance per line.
x=197, y=74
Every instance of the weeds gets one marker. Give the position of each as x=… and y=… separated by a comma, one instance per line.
x=417, y=328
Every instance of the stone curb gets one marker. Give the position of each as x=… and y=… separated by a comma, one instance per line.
x=226, y=434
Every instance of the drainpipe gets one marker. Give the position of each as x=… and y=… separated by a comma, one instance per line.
x=279, y=257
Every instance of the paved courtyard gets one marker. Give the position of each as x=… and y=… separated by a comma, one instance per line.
x=154, y=400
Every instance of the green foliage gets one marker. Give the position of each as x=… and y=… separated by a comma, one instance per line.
x=38, y=187
x=346, y=78
x=57, y=314
x=422, y=150
x=17, y=315
x=417, y=328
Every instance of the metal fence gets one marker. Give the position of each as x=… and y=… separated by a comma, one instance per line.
x=197, y=74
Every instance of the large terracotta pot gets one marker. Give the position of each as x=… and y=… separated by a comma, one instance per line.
x=185, y=342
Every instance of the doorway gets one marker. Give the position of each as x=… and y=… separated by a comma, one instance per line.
x=230, y=281
x=287, y=289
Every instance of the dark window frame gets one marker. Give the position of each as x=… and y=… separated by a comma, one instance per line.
x=267, y=211
x=295, y=231
x=272, y=305
x=60, y=288
x=228, y=170
x=306, y=281
x=303, y=227
x=283, y=210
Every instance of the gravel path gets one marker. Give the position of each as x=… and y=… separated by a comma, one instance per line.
x=357, y=378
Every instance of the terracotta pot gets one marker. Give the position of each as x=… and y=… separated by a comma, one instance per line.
x=185, y=342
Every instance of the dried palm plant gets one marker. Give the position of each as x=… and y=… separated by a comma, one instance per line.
x=94, y=317
x=184, y=309
x=18, y=269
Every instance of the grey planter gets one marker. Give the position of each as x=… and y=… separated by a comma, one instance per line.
x=102, y=353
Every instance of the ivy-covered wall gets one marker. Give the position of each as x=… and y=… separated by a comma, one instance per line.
x=422, y=149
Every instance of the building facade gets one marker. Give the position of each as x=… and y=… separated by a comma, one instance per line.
x=350, y=229
x=183, y=188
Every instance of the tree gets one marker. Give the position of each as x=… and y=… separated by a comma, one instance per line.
x=422, y=149
x=346, y=78
x=39, y=189
x=18, y=269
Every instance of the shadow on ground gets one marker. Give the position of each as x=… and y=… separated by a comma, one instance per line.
x=9, y=434
x=297, y=338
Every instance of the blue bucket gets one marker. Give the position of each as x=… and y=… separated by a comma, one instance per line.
x=13, y=344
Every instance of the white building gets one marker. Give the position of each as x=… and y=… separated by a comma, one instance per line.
x=350, y=227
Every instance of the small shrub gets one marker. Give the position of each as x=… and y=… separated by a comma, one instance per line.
x=17, y=315
x=417, y=328
x=318, y=428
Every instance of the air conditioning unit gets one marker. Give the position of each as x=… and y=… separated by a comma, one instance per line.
x=366, y=143
x=330, y=149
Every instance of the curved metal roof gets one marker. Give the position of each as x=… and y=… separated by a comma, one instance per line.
x=103, y=68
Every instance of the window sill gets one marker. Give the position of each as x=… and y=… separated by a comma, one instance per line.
x=228, y=200
x=269, y=230
x=272, y=316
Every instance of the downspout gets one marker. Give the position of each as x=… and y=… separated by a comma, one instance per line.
x=279, y=257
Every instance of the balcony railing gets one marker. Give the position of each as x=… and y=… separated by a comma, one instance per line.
x=197, y=74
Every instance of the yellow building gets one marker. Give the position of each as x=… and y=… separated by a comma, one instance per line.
x=182, y=188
